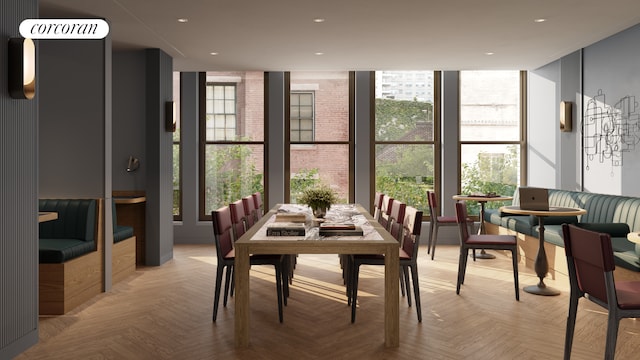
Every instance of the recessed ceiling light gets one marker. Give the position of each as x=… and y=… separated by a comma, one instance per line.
x=489, y=53
x=318, y=20
x=183, y=20
x=540, y=20
x=213, y=53
x=319, y=53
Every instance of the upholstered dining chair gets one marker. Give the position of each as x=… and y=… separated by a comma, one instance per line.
x=257, y=200
x=385, y=210
x=411, y=224
x=591, y=266
x=223, y=236
x=436, y=222
x=250, y=210
x=396, y=217
x=482, y=241
x=377, y=205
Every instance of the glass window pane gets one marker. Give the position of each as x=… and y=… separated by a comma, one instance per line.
x=218, y=106
x=490, y=168
x=230, y=106
x=405, y=172
x=307, y=170
x=306, y=136
x=404, y=106
x=295, y=136
x=489, y=105
x=295, y=124
x=230, y=93
x=294, y=112
x=306, y=99
x=218, y=92
x=306, y=112
x=232, y=172
x=306, y=124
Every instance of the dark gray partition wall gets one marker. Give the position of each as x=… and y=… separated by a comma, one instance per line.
x=159, y=148
x=19, y=205
x=275, y=138
x=364, y=123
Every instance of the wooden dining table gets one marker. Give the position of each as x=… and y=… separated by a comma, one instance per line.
x=376, y=240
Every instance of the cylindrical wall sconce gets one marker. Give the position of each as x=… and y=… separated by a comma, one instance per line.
x=22, y=68
x=565, y=116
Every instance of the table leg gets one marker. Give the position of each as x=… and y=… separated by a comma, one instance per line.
x=391, y=297
x=541, y=266
x=241, y=273
x=483, y=254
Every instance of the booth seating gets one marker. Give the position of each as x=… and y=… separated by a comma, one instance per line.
x=611, y=214
x=71, y=254
x=123, y=254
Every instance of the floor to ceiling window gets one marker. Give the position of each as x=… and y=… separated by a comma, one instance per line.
x=405, y=135
x=231, y=138
x=177, y=186
x=491, y=132
x=320, y=136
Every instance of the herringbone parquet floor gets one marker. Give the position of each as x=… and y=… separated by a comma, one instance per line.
x=165, y=313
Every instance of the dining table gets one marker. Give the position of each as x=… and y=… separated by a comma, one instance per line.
x=482, y=199
x=44, y=216
x=374, y=240
x=541, y=264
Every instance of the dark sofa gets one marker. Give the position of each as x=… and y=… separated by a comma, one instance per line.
x=613, y=214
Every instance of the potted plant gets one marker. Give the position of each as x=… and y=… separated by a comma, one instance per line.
x=319, y=199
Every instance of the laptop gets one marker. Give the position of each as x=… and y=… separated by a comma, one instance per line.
x=532, y=198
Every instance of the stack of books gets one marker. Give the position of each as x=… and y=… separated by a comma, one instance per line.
x=291, y=217
x=286, y=229
x=333, y=229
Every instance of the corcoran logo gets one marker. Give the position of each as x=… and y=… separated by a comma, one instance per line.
x=64, y=28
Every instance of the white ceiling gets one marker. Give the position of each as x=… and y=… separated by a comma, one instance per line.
x=280, y=35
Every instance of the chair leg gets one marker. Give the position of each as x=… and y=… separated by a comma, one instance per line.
x=416, y=290
x=405, y=273
x=233, y=283
x=402, y=282
x=462, y=266
x=279, y=289
x=354, y=289
x=227, y=284
x=514, y=257
x=571, y=325
x=431, y=227
x=612, y=335
x=216, y=295
x=435, y=240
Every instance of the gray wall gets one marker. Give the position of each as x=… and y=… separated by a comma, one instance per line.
x=159, y=151
x=19, y=205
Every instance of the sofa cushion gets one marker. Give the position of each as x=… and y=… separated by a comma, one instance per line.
x=613, y=229
x=524, y=224
x=121, y=232
x=552, y=234
x=76, y=219
x=53, y=251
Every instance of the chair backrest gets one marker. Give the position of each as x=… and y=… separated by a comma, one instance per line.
x=433, y=206
x=222, y=232
x=385, y=210
x=589, y=256
x=249, y=210
x=238, y=219
x=257, y=200
x=377, y=205
x=411, y=229
x=396, y=218
x=461, y=217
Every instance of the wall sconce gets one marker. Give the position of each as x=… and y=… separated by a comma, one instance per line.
x=22, y=68
x=133, y=164
x=565, y=116
x=170, y=116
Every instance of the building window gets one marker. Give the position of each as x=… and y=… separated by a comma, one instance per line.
x=406, y=135
x=221, y=111
x=177, y=183
x=320, y=144
x=491, y=137
x=232, y=145
x=302, y=116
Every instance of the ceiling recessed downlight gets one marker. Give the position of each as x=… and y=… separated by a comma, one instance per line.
x=489, y=53
x=213, y=53
x=183, y=20
x=319, y=53
x=318, y=20
x=540, y=20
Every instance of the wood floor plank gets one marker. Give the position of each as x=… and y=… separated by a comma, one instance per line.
x=165, y=313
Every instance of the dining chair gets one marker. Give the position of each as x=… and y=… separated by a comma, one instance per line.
x=436, y=222
x=482, y=241
x=396, y=217
x=377, y=205
x=591, y=266
x=223, y=236
x=250, y=210
x=411, y=224
x=385, y=210
x=257, y=200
